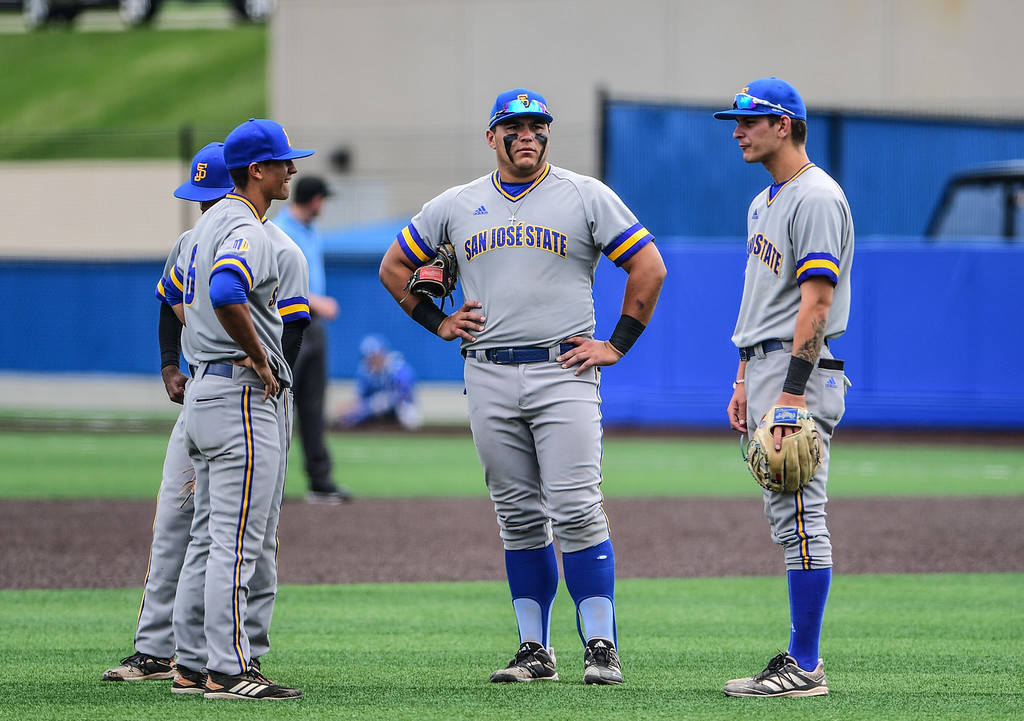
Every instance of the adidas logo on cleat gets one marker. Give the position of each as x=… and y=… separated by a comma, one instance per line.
x=480, y=211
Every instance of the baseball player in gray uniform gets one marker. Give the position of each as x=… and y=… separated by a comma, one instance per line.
x=236, y=300
x=154, y=643
x=528, y=238
x=796, y=298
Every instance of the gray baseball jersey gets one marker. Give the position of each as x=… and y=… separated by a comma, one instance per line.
x=235, y=240
x=525, y=255
x=170, y=289
x=801, y=229
x=529, y=258
x=795, y=231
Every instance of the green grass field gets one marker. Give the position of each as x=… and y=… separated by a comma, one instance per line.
x=910, y=647
x=135, y=88
x=115, y=465
x=896, y=647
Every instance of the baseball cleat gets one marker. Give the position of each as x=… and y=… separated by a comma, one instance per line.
x=601, y=662
x=533, y=662
x=782, y=677
x=141, y=667
x=333, y=497
x=249, y=685
x=188, y=681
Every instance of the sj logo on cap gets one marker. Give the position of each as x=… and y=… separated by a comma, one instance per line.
x=525, y=100
x=200, y=172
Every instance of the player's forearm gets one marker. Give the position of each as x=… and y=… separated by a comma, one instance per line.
x=812, y=319
x=646, y=276
x=237, y=322
x=394, y=273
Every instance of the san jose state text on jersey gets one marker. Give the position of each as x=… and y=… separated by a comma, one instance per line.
x=531, y=236
x=764, y=249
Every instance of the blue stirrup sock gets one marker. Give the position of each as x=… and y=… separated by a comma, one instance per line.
x=808, y=592
x=590, y=579
x=533, y=581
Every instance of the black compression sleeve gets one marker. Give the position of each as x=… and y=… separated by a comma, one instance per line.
x=169, y=333
x=291, y=340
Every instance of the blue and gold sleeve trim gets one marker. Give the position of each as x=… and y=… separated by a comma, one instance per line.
x=812, y=264
x=235, y=264
x=415, y=249
x=628, y=243
x=171, y=288
x=292, y=309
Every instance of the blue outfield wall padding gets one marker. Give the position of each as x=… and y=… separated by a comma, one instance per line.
x=681, y=171
x=934, y=338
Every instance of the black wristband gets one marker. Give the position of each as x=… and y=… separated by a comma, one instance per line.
x=627, y=330
x=428, y=315
x=797, y=376
x=169, y=335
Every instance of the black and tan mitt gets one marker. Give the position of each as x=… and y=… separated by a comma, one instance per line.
x=792, y=467
x=437, y=278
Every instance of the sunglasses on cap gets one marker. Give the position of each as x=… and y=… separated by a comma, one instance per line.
x=745, y=101
x=534, y=107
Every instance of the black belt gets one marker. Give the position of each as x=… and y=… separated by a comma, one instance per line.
x=510, y=356
x=224, y=370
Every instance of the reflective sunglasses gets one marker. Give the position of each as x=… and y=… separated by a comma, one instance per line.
x=745, y=101
x=534, y=107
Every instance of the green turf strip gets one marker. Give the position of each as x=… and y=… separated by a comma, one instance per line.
x=117, y=465
x=136, y=89
x=896, y=647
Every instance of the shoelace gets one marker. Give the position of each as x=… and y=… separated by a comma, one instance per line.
x=601, y=654
x=775, y=665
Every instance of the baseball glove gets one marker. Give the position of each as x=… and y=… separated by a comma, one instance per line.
x=438, y=277
x=791, y=468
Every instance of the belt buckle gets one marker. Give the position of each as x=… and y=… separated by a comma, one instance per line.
x=501, y=356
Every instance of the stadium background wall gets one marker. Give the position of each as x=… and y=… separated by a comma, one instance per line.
x=930, y=345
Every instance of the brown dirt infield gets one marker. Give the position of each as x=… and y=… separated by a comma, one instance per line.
x=105, y=544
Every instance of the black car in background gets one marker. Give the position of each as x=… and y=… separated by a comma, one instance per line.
x=39, y=13
x=983, y=203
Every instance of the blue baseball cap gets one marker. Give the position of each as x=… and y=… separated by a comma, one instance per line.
x=513, y=103
x=767, y=96
x=210, y=179
x=257, y=140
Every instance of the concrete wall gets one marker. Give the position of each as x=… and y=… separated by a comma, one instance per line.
x=407, y=85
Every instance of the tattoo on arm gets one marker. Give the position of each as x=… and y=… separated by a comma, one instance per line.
x=811, y=348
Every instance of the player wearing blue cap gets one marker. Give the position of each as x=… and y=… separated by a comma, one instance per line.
x=528, y=238
x=796, y=298
x=208, y=182
x=244, y=286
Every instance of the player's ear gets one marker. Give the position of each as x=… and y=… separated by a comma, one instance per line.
x=489, y=134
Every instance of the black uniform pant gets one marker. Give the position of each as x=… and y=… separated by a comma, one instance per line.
x=310, y=387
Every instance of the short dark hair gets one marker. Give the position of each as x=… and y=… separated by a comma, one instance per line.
x=799, y=128
x=240, y=176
